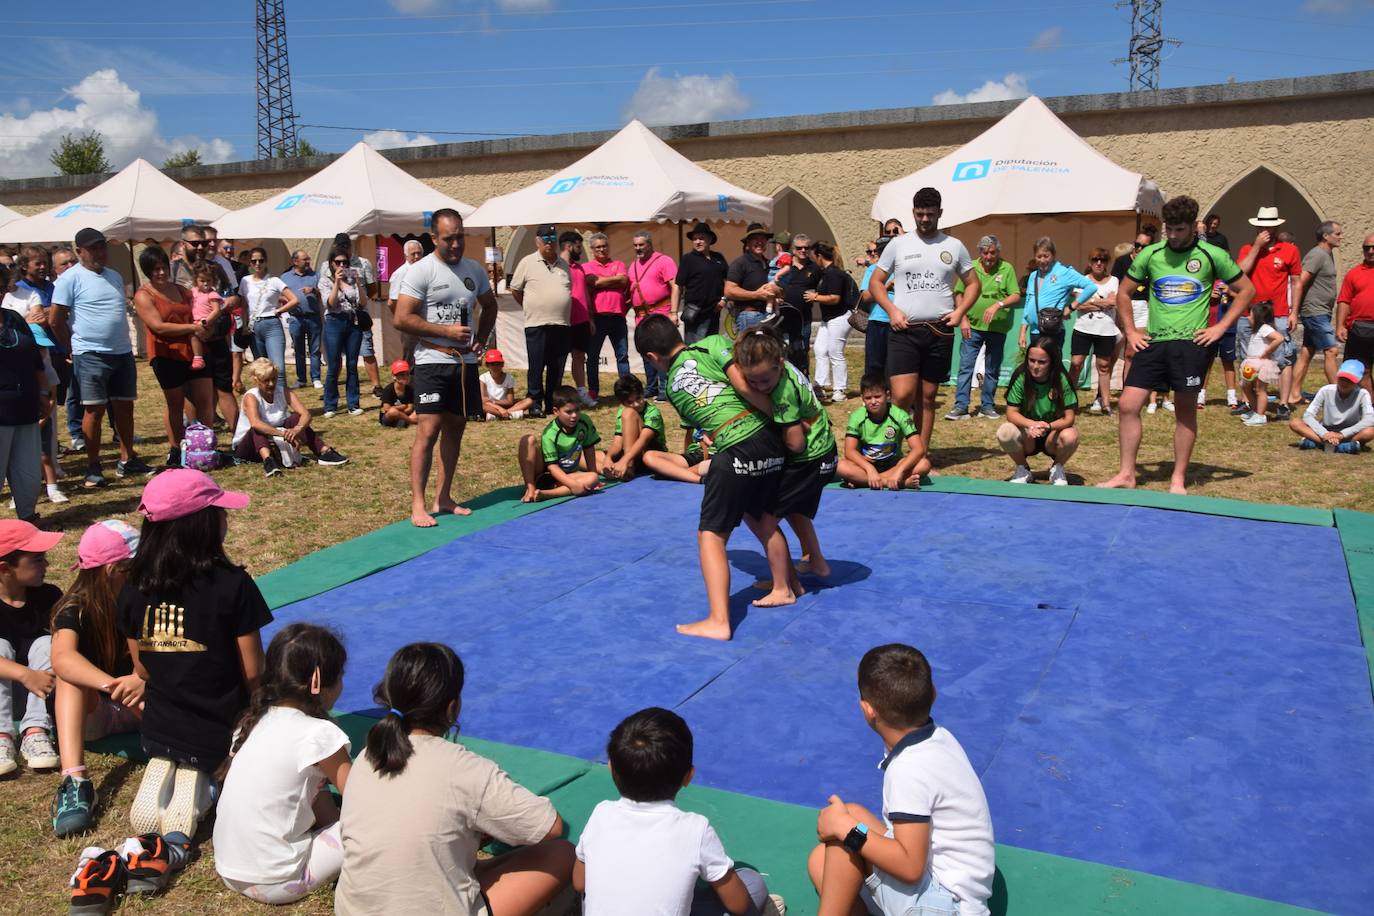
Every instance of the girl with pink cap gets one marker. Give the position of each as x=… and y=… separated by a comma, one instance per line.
x=98, y=692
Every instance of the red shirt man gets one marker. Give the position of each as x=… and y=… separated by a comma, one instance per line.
x=1356, y=299
x=1275, y=263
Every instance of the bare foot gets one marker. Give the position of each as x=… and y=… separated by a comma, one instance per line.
x=912, y=483
x=1180, y=489
x=449, y=507
x=776, y=598
x=421, y=519
x=531, y=495
x=1121, y=481
x=818, y=568
x=706, y=629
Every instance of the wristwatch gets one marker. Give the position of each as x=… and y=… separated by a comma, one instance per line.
x=856, y=838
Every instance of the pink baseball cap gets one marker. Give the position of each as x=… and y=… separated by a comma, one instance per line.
x=179, y=492
x=17, y=535
x=106, y=542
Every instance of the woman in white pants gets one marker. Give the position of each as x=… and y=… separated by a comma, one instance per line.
x=831, y=369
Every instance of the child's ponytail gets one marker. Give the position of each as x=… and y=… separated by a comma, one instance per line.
x=420, y=690
x=303, y=661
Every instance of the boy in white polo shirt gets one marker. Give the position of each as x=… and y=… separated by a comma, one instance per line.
x=642, y=854
x=932, y=850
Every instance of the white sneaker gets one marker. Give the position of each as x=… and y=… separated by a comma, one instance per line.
x=355, y=411
x=192, y=797
x=1169, y=406
x=8, y=764
x=57, y=496
x=517, y=414
x=154, y=793
x=1022, y=474
x=38, y=751
x=490, y=417
x=838, y=398
x=329, y=414
x=1096, y=406
x=317, y=383
x=774, y=906
x=1151, y=409
x=1057, y=475
x=1255, y=419
x=586, y=399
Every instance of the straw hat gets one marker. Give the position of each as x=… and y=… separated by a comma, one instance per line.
x=1268, y=217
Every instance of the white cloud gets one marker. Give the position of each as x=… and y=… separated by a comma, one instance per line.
x=416, y=7
x=104, y=103
x=1012, y=86
x=1048, y=39
x=688, y=99
x=1337, y=7
x=395, y=139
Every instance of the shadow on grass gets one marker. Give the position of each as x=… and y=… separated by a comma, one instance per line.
x=945, y=458
x=1160, y=472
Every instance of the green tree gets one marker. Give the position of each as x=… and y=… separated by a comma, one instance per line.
x=303, y=148
x=183, y=160
x=80, y=155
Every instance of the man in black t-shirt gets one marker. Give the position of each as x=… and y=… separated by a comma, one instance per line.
x=746, y=282
x=699, y=287
x=800, y=279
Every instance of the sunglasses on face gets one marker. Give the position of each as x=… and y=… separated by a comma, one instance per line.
x=1367, y=247
x=801, y=247
x=872, y=251
x=339, y=262
x=1098, y=260
x=257, y=260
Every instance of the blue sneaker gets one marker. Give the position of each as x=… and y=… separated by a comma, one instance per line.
x=1348, y=448
x=1306, y=444
x=73, y=806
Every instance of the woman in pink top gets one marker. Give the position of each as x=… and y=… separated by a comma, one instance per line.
x=651, y=293
x=607, y=282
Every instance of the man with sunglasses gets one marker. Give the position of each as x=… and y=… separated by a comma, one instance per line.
x=796, y=312
x=542, y=287
x=220, y=354
x=91, y=295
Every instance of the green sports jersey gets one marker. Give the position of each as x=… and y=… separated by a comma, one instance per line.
x=881, y=440
x=1180, y=286
x=564, y=448
x=702, y=394
x=794, y=401
x=653, y=419
x=994, y=287
x=1041, y=406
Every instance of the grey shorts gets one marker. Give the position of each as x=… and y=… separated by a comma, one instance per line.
x=103, y=377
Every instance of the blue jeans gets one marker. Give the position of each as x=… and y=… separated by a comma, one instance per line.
x=705, y=902
x=31, y=653
x=270, y=340
x=305, y=335
x=655, y=382
x=875, y=347
x=614, y=328
x=992, y=367
x=747, y=318
x=342, y=340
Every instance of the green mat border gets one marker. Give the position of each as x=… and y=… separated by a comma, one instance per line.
x=1030, y=883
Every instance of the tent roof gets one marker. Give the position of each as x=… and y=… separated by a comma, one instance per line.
x=137, y=202
x=1028, y=162
x=8, y=216
x=361, y=193
x=634, y=177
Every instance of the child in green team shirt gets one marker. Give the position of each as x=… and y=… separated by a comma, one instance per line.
x=1041, y=408
x=641, y=444
x=873, y=442
x=746, y=463
x=811, y=457
x=550, y=462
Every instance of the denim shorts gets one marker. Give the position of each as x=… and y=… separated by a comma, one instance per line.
x=1317, y=333
x=367, y=348
x=884, y=894
x=103, y=377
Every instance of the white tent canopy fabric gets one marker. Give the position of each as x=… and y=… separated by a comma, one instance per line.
x=8, y=216
x=634, y=177
x=136, y=203
x=361, y=193
x=1028, y=162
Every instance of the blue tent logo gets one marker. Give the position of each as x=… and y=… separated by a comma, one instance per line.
x=289, y=202
x=67, y=211
x=972, y=170
x=564, y=185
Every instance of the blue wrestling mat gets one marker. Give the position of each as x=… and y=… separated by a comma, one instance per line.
x=1132, y=689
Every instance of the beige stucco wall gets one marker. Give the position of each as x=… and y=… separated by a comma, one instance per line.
x=1320, y=144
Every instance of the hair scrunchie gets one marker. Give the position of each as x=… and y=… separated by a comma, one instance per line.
x=397, y=712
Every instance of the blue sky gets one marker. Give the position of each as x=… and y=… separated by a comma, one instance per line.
x=414, y=71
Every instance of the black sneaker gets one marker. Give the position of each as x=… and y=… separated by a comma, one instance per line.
x=173, y=459
x=330, y=458
x=271, y=467
x=134, y=465
x=73, y=806
x=378, y=391
x=100, y=877
x=1284, y=412
x=535, y=413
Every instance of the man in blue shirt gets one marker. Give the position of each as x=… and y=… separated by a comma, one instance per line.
x=303, y=321
x=89, y=317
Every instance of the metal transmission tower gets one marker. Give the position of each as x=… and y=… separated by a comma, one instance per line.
x=1146, y=43
x=276, y=116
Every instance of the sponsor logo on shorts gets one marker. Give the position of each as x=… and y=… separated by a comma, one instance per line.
x=828, y=466
x=759, y=468
x=1192, y=380
x=1176, y=290
x=429, y=397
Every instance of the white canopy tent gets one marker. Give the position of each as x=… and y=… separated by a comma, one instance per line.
x=634, y=177
x=136, y=203
x=361, y=193
x=8, y=216
x=1027, y=175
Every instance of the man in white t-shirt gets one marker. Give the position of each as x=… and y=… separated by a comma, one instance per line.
x=924, y=267
x=437, y=302
x=413, y=252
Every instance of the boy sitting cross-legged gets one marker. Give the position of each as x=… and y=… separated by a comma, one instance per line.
x=638, y=431
x=641, y=853
x=550, y=462
x=873, y=442
x=932, y=850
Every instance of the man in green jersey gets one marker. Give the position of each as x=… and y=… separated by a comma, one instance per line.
x=746, y=463
x=986, y=326
x=1172, y=352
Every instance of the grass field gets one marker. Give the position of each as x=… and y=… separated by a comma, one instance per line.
x=304, y=510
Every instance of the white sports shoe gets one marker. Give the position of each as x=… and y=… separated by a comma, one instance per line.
x=517, y=414
x=329, y=414
x=1096, y=406
x=586, y=399
x=8, y=764
x=38, y=752
x=355, y=411
x=1022, y=474
x=1255, y=419
x=317, y=383
x=1151, y=409
x=1057, y=475
x=1169, y=406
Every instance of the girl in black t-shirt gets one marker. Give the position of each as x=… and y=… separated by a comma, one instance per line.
x=98, y=693
x=192, y=621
